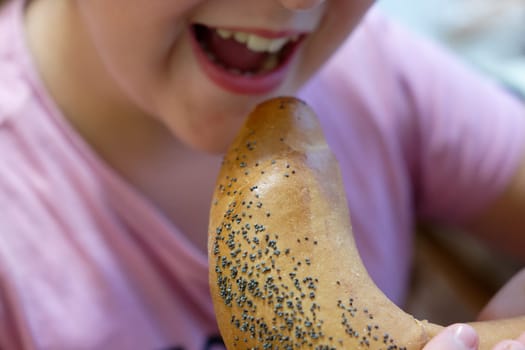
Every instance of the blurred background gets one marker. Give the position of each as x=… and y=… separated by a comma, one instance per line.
x=488, y=34
x=454, y=274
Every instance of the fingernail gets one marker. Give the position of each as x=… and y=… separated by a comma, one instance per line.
x=466, y=336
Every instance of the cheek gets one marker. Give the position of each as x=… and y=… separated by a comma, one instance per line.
x=135, y=45
x=340, y=19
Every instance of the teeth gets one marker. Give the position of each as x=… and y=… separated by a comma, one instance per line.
x=256, y=43
x=241, y=37
x=270, y=63
x=235, y=71
x=277, y=44
x=225, y=34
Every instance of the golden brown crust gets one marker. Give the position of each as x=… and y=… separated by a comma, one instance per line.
x=284, y=269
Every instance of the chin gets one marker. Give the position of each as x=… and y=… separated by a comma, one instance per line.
x=214, y=142
x=216, y=131
x=213, y=148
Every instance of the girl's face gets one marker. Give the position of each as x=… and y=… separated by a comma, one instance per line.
x=200, y=66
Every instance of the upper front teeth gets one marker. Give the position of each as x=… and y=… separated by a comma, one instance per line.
x=255, y=42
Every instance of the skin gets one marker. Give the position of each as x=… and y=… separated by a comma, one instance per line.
x=508, y=302
x=127, y=65
x=463, y=337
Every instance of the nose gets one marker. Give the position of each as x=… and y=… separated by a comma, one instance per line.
x=300, y=4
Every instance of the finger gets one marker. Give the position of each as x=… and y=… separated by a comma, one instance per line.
x=508, y=302
x=521, y=338
x=455, y=337
x=509, y=345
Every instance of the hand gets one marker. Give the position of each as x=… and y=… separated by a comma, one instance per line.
x=508, y=302
x=464, y=337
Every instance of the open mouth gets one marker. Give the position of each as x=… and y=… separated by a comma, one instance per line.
x=253, y=60
x=242, y=52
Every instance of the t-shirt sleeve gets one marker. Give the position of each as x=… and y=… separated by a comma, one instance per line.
x=468, y=134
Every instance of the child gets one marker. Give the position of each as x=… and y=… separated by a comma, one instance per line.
x=113, y=116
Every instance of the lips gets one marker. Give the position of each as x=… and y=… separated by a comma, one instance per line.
x=244, y=62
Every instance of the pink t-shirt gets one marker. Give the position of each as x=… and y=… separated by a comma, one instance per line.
x=86, y=262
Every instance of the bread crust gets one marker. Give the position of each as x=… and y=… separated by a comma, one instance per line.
x=284, y=269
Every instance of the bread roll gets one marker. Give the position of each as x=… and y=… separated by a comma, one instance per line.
x=284, y=269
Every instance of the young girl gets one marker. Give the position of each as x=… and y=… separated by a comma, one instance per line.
x=113, y=117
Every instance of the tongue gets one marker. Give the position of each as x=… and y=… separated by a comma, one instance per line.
x=233, y=54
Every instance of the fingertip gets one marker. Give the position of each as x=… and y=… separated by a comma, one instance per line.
x=466, y=336
x=455, y=337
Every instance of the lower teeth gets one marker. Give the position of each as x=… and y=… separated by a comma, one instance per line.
x=235, y=71
x=270, y=63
